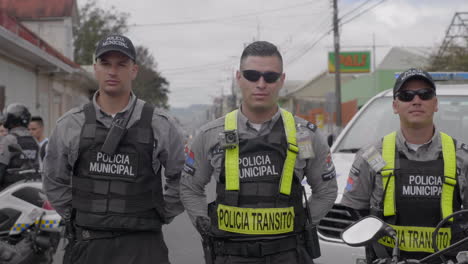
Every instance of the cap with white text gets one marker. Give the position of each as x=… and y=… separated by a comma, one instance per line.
x=116, y=43
x=412, y=74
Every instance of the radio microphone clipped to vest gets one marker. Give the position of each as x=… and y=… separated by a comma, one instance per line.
x=116, y=132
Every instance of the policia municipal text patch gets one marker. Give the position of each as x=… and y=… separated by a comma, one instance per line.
x=256, y=221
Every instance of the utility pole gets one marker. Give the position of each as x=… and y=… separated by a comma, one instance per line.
x=336, y=41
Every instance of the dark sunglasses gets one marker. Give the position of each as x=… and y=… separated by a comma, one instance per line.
x=408, y=95
x=253, y=76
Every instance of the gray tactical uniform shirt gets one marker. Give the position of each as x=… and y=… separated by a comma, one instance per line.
x=62, y=153
x=206, y=163
x=5, y=154
x=364, y=188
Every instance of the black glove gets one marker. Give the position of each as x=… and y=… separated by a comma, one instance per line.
x=203, y=225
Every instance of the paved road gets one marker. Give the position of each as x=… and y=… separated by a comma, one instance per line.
x=183, y=241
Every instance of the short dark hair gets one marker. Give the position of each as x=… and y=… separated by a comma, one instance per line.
x=37, y=119
x=262, y=49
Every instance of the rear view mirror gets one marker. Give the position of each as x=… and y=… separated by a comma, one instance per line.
x=363, y=231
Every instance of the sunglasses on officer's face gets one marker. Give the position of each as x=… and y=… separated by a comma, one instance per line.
x=408, y=95
x=254, y=76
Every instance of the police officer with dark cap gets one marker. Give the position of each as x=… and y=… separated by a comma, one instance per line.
x=25, y=153
x=103, y=167
x=412, y=178
x=259, y=155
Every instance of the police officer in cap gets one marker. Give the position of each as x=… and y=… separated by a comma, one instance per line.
x=413, y=177
x=103, y=167
x=25, y=153
x=259, y=155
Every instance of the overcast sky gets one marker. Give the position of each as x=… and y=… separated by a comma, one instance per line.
x=197, y=43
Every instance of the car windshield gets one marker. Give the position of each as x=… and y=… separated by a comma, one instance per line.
x=378, y=120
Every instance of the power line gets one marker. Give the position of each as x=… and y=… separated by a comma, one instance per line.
x=307, y=49
x=209, y=20
x=356, y=8
x=362, y=12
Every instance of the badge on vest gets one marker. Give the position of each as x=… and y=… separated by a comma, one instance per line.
x=374, y=159
x=305, y=145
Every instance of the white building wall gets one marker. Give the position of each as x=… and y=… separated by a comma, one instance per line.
x=58, y=33
x=20, y=84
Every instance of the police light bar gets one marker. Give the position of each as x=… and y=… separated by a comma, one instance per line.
x=445, y=76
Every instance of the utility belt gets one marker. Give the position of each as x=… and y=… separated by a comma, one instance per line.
x=256, y=248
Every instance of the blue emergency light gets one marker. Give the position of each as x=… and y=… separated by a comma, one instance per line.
x=445, y=76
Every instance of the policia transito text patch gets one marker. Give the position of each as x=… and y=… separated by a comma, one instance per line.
x=418, y=239
x=255, y=221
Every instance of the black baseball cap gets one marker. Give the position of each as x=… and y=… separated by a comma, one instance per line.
x=412, y=74
x=118, y=43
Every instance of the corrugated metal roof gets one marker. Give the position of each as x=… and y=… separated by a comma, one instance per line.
x=33, y=9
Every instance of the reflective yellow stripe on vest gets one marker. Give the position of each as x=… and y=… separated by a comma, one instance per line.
x=388, y=178
x=418, y=239
x=450, y=172
x=231, y=162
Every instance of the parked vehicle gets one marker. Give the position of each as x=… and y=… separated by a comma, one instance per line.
x=29, y=227
x=373, y=121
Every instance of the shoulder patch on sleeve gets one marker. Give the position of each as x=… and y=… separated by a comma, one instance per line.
x=355, y=171
x=217, y=149
x=189, y=163
x=329, y=171
x=311, y=126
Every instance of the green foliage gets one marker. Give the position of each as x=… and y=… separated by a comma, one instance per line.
x=149, y=84
x=94, y=24
x=454, y=59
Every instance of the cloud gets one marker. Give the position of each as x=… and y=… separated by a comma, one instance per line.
x=207, y=52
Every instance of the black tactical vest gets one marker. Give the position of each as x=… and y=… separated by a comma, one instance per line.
x=119, y=192
x=261, y=161
x=418, y=188
x=30, y=149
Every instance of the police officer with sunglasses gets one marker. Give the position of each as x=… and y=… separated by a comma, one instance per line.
x=413, y=177
x=259, y=155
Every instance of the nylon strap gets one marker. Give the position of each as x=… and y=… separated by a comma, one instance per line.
x=388, y=176
x=231, y=162
x=291, y=154
x=450, y=171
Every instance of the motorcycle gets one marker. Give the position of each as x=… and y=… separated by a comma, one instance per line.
x=369, y=229
x=30, y=229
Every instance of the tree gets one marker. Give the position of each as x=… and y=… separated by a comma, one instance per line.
x=96, y=23
x=149, y=83
x=455, y=58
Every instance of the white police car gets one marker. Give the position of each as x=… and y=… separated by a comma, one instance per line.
x=373, y=121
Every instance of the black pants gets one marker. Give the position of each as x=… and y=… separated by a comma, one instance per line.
x=295, y=256
x=132, y=248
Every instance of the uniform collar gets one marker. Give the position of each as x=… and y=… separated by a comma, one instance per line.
x=244, y=121
x=101, y=113
x=433, y=143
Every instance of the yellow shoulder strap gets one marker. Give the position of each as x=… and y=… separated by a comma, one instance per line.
x=388, y=178
x=450, y=172
x=291, y=154
x=231, y=161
